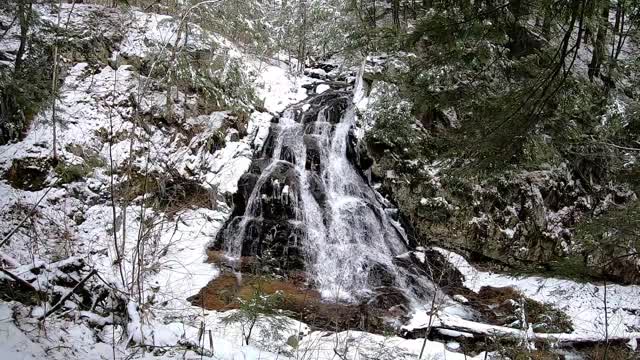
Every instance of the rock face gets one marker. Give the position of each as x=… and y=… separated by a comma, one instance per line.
x=28, y=173
x=304, y=205
x=518, y=218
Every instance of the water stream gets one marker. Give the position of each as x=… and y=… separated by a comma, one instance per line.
x=308, y=200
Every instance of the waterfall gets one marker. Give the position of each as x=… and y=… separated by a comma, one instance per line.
x=309, y=201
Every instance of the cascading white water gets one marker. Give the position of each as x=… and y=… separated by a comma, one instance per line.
x=290, y=134
x=348, y=236
x=358, y=233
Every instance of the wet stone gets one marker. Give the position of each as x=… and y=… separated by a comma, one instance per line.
x=288, y=155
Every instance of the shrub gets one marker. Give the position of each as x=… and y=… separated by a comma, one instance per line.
x=262, y=310
x=69, y=173
x=394, y=125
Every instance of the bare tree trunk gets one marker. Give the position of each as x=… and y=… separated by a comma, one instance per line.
x=24, y=15
x=251, y=325
x=119, y=255
x=396, y=15
x=618, y=29
x=467, y=9
x=302, y=46
x=173, y=79
x=54, y=81
x=432, y=312
x=599, y=46
x=372, y=15
x=546, y=23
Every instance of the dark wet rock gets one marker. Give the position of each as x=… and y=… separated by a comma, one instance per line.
x=309, y=87
x=432, y=265
x=314, y=154
x=331, y=105
x=276, y=242
x=313, y=160
x=269, y=144
x=389, y=298
x=363, y=158
x=245, y=186
x=334, y=112
x=317, y=188
x=273, y=234
x=288, y=155
x=326, y=67
x=352, y=150
x=275, y=247
x=380, y=275
x=271, y=201
x=29, y=173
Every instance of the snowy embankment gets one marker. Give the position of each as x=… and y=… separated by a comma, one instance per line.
x=77, y=219
x=583, y=303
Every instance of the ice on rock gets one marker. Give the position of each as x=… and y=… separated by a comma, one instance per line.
x=461, y=299
x=322, y=88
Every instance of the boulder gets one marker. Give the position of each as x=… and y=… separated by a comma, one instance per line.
x=29, y=173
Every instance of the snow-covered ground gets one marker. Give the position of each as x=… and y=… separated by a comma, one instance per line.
x=92, y=104
x=583, y=303
x=73, y=339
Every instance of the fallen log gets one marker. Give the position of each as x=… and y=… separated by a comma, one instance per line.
x=495, y=331
x=19, y=280
x=338, y=84
x=31, y=271
x=60, y=303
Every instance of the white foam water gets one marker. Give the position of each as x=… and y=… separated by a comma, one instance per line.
x=349, y=237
